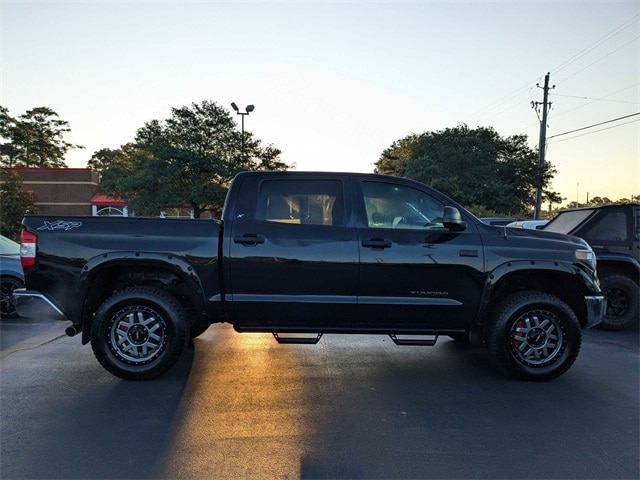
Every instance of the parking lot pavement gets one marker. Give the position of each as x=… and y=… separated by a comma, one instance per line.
x=242, y=406
x=16, y=330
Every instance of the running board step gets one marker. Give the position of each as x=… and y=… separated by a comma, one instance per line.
x=413, y=341
x=298, y=340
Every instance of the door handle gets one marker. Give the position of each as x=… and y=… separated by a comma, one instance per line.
x=248, y=239
x=376, y=243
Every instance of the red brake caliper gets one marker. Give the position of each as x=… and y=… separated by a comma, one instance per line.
x=516, y=343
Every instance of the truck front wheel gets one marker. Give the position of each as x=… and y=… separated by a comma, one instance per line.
x=139, y=333
x=534, y=336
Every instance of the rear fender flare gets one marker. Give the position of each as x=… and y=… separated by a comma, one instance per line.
x=98, y=264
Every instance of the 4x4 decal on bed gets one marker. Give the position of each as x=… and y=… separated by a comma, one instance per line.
x=59, y=225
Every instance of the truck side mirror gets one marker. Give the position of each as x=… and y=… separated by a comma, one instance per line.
x=452, y=219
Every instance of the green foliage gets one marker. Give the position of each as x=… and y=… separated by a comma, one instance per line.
x=14, y=203
x=117, y=167
x=189, y=159
x=34, y=139
x=474, y=166
x=599, y=202
x=481, y=211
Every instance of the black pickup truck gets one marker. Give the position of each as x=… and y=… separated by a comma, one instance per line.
x=302, y=254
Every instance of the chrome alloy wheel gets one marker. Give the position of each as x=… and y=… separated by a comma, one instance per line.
x=537, y=338
x=137, y=334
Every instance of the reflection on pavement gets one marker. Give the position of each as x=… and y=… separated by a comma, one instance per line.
x=242, y=414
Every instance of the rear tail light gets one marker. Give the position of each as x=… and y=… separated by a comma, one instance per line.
x=27, y=250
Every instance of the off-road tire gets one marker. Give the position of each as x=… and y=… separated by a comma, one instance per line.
x=623, y=296
x=534, y=336
x=139, y=333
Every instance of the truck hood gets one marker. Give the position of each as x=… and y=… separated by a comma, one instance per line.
x=545, y=236
x=504, y=244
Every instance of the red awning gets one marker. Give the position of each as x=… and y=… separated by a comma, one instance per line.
x=101, y=200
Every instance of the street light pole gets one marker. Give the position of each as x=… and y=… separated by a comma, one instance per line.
x=248, y=109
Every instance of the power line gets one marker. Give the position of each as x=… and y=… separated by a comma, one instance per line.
x=515, y=105
x=594, y=125
x=519, y=91
x=601, y=58
x=595, y=131
x=619, y=29
x=557, y=114
x=595, y=99
x=515, y=93
x=602, y=98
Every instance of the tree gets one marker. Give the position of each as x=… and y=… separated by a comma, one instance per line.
x=116, y=166
x=474, y=166
x=599, y=202
x=34, y=139
x=189, y=159
x=14, y=202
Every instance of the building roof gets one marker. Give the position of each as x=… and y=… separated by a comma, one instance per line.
x=102, y=200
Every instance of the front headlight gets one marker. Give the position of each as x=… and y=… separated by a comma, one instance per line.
x=587, y=256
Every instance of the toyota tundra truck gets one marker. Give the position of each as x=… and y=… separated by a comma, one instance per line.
x=300, y=255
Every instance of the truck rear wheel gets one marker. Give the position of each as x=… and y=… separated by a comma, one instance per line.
x=623, y=296
x=139, y=333
x=534, y=336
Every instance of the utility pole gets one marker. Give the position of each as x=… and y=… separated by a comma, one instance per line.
x=541, y=143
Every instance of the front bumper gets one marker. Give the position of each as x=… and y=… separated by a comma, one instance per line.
x=31, y=303
x=596, y=310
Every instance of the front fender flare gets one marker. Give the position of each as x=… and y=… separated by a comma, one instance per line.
x=523, y=265
x=520, y=266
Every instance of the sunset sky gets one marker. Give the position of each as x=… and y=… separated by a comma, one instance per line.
x=334, y=83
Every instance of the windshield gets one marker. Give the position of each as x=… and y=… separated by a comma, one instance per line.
x=565, y=222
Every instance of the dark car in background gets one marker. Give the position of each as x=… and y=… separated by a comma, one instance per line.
x=613, y=231
x=11, y=276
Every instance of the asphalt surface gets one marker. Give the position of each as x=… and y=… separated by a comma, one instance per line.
x=242, y=406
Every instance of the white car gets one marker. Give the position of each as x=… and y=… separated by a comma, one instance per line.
x=530, y=224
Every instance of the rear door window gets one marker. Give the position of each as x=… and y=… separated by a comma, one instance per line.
x=301, y=202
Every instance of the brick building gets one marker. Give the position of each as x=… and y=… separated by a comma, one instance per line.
x=73, y=191
x=60, y=191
